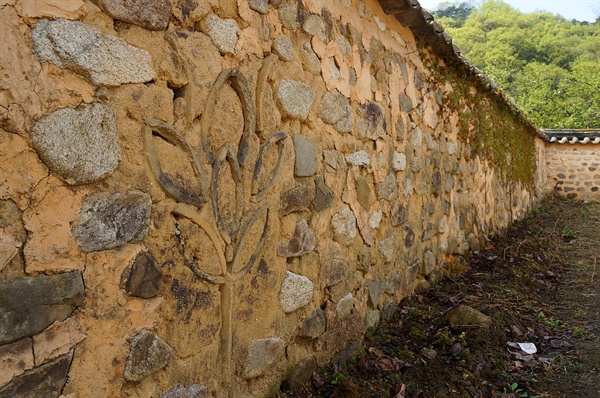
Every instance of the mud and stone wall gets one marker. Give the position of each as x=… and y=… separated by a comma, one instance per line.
x=203, y=198
x=573, y=170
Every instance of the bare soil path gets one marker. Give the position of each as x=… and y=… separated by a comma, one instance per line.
x=537, y=284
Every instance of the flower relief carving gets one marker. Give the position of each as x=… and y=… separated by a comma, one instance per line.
x=227, y=214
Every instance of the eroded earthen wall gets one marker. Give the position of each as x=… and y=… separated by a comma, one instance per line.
x=574, y=170
x=202, y=197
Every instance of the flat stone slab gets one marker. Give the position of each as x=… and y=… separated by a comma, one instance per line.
x=45, y=381
x=30, y=305
x=104, y=60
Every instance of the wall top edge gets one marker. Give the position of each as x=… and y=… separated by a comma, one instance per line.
x=433, y=35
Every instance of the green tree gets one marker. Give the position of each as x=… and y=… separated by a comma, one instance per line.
x=457, y=13
x=550, y=66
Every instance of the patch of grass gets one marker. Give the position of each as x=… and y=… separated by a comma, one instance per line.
x=518, y=392
x=338, y=378
x=568, y=233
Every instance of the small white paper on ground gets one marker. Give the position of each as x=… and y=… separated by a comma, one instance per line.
x=529, y=348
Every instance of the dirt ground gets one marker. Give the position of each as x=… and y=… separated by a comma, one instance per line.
x=538, y=283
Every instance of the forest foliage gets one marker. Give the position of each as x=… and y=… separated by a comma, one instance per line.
x=548, y=65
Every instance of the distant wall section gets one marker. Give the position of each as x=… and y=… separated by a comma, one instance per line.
x=574, y=170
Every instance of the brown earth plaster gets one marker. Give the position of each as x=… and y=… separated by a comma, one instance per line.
x=574, y=170
x=211, y=141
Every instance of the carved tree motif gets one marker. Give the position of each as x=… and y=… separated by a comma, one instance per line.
x=227, y=236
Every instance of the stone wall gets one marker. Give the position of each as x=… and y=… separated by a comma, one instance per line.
x=574, y=170
x=198, y=198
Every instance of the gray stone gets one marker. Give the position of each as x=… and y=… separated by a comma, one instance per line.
x=375, y=288
x=387, y=248
x=450, y=148
x=295, y=98
x=260, y=6
x=302, y=241
x=406, y=104
x=436, y=183
x=149, y=14
x=343, y=224
x=104, y=60
x=399, y=127
x=45, y=381
x=344, y=307
x=363, y=192
x=363, y=10
x=375, y=220
x=436, y=276
x=393, y=281
x=335, y=110
x=333, y=160
x=388, y=189
x=449, y=184
x=422, y=286
x=400, y=216
x=323, y=195
x=335, y=272
x=306, y=156
x=80, y=145
x=408, y=188
x=345, y=45
x=350, y=350
x=359, y=158
x=301, y=374
x=427, y=230
x=288, y=14
x=314, y=26
x=429, y=263
x=409, y=236
x=416, y=137
x=262, y=353
x=315, y=325
x=110, y=221
x=179, y=391
x=222, y=32
x=364, y=258
x=296, y=292
x=30, y=305
x=145, y=277
x=352, y=77
x=415, y=164
x=372, y=319
x=465, y=316
x=430, y=142
x=283, y=47
x=388, y=310
x=371, y=123
x=398, y=161
x=296, y=199
x=311, y=62
x=148, y=353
